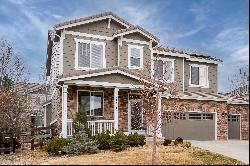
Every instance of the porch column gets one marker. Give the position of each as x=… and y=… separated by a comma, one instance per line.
x=159, y=118
x=116, y=119
x=64, y=110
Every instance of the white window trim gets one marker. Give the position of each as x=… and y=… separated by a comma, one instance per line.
x=141, y=56
x=90, y=102
x=198, y=86
x=90, y=42
x=164, y=60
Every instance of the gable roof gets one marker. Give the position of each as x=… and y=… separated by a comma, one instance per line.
x=136, y=28
x=101, y=71
x=99, y=16
x=192, y=54
x=204, y=96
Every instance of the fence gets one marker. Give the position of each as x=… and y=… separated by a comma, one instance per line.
x=7, y=143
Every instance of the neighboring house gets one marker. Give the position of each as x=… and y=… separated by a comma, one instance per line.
x=36, y=97
x=92, y=65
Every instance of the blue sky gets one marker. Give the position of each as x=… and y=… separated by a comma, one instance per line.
x=216, y=27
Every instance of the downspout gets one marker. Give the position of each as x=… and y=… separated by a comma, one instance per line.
x=183, y=75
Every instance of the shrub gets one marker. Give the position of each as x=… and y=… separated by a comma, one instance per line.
x=142, y=139
x=56, y=144
x=167, y=142
x=80, y=143
x=178, y=140
x=81, y=119
x=186, y=144
x=102, y=140
x=135, y=140
x=118, y=142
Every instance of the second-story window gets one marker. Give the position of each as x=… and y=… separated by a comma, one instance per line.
x=164, y=69
x=198, y=76
x=135, y=56
x=90, y=55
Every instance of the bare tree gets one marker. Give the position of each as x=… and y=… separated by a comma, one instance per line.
x=13, y=92
x=153, y=87
x=239, y=79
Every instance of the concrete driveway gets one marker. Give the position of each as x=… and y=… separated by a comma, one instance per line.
x=238, y=149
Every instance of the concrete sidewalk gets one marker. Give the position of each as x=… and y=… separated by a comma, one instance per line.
x=237, y=149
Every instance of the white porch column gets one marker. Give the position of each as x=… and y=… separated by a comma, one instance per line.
x=64, y=110
x=116, y=119
x=44, y=116
x=159, y=119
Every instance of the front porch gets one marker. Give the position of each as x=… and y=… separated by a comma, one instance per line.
x=108, y=109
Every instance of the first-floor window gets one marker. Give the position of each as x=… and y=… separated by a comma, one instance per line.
x=199, y=75
x=91, y=103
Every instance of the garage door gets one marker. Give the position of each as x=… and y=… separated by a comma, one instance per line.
x=233, y=126
x=189, y=125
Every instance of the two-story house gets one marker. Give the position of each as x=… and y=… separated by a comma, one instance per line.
x=92, y=64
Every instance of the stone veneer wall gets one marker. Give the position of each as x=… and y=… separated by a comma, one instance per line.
x=108, y=113
x=222, y=110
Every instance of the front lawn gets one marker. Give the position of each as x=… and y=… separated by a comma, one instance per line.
x=141, y=155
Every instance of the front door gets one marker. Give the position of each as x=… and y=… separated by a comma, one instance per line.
x=234, y=127
x=135, y=123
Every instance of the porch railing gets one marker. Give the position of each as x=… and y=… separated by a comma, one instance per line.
x=100, y=126
x=69, y=127
x=149, y=130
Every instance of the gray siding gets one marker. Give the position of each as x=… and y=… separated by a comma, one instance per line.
x=69, y=48
x=136, y=36
x=111, y=52
x=212, y=76
x=114, y=78
x=98, y=28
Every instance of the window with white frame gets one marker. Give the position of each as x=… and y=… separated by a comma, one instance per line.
x=89, y=54
x=90, y=102
x=199, y=75
x=135, y=56
x=164, y=69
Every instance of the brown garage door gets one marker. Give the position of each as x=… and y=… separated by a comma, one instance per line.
x=233, y=126
x=189, y=125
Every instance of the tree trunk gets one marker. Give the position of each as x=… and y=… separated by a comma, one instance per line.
x=154, y=131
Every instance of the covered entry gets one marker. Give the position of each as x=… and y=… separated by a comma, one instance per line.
x=189, y=125
x=234, y=127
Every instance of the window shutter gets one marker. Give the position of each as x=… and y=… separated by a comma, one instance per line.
x=96, y=56
x=168, y=71
x=83, y=55
x=135, y=57
x=194, y=75
x=203, y=76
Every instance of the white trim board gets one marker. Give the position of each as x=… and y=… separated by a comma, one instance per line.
x=100, y=74
x=135, y=41
x=189, y=58
x=136, y=30
x=102, y=84
x=81, y=34
x=92, y=20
